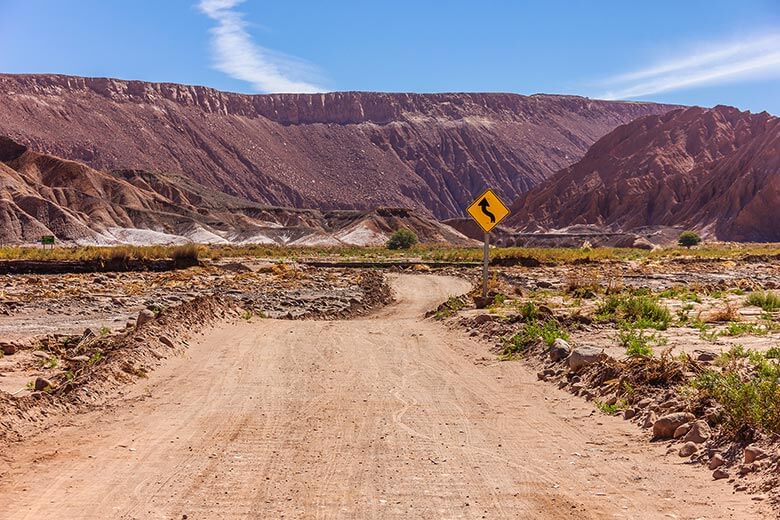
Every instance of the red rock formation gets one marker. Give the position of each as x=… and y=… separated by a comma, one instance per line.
x=45, y=195
x=716, y=170
x=430, y=152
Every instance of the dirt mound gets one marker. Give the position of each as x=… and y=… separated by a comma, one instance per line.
x=715, y=170
x=342, y=150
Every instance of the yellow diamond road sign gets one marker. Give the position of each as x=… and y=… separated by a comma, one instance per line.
x=488, y=210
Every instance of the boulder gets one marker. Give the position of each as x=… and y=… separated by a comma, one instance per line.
x=698, y=433
x=665, y=427
x=144, y=316
x=581, y=357
x=559, y=350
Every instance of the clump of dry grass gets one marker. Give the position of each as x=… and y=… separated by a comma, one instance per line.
x=728, y=312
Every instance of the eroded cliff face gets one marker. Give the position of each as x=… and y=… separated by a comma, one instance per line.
x=42, y=194
x=716, y=170
x=344, y=150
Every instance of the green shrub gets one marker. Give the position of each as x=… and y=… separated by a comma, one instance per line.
x=529, y=311
x=773, y=353
x=640, y=310
x=741, y=328
x=402, y=239
x=768, y=300
x=637, y=342
x=449, y=308
x=748, y=390
x=531, y=333
x=689, y=239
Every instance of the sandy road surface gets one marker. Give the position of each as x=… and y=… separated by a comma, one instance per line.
x=385, y=417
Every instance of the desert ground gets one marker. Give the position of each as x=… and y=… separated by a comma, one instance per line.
x=257, y=388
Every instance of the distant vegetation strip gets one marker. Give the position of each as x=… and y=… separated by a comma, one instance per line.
x=524, y=256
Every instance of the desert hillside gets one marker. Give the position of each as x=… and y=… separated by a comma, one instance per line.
x=42, y=194
x=344, y=150
x=716, y=170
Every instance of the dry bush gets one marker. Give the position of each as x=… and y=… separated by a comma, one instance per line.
x=729, y=312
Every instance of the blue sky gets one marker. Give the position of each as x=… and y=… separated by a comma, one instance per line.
x=686, y=51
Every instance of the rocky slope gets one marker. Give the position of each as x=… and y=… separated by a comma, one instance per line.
x=346, y=150
x=42, y=194
x=716, y=170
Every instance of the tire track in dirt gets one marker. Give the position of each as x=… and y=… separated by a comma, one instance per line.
x=389, y=416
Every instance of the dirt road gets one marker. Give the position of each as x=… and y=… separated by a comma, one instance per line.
x=391, y=416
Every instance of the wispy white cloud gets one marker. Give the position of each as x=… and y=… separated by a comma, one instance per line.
x=238, y=56
x=715, y=63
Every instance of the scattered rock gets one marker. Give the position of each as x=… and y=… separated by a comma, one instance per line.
x=559, y=350
x=8, y=349
x=754, y=453
x=681, y=430
x=581, y=357
x=165, y=341
x=688, y=449
x=698, y=433
x=482, y=318
x=650, y=420
x=716, y=461
x=665, y=427
x=41, y=384
x=720, y=473
x=79, y=359
x=629, y=413
x=144, y=316
x=704, y=356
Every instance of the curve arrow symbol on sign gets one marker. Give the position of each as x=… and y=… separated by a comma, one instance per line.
x=484, y=204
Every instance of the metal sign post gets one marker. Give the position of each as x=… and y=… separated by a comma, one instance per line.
x=488, y=211
x=485, y=262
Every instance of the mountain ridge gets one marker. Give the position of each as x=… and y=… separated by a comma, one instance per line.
x=342, y=150
x=716, y=170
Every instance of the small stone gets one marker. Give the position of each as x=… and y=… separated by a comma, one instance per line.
x=699, y=432
x=629, y=413
x=650, y=420
x=665, y=427
x=559, y=350
x=754, y=453
x=705, y=356
x=581, y=357
x=716, y=461
x=167, y=342
x=79, y=359
x=681, y=430
x=720, y=473
x=41, y=384
x=688, y=449
x=144, y=316
x=8, y=349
